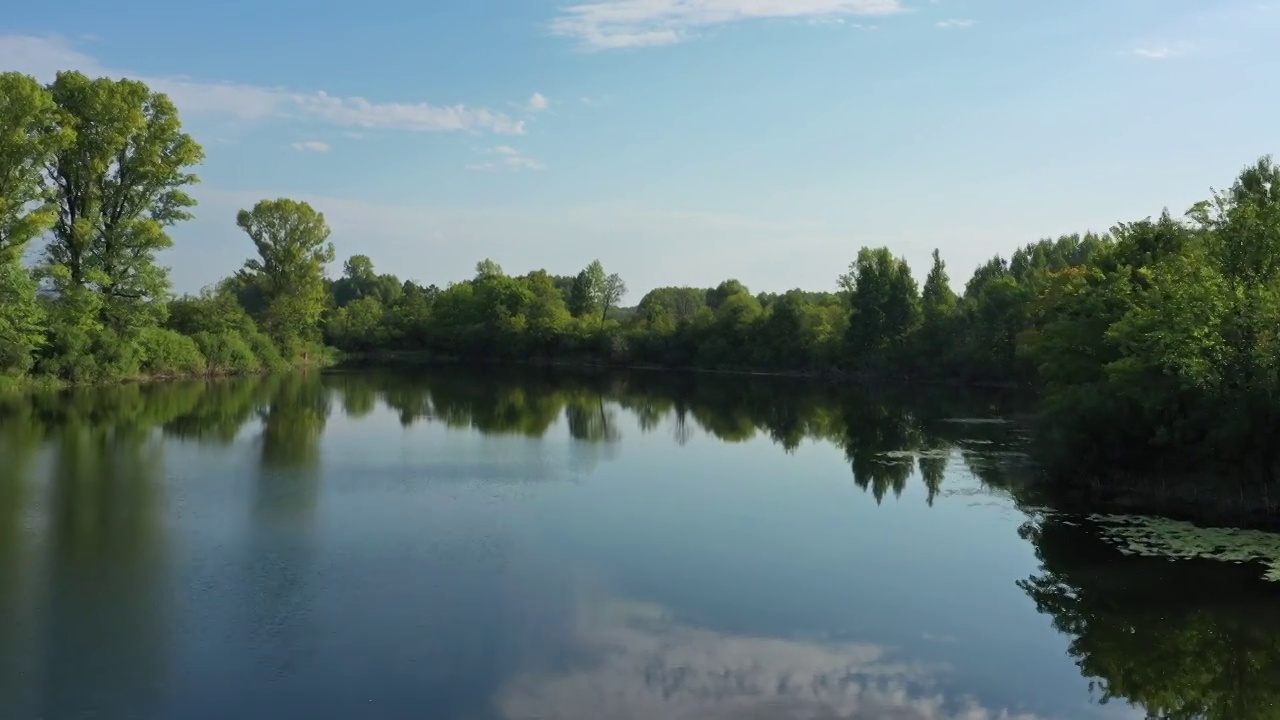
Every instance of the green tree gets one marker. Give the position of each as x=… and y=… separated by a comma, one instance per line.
x=293, y=246
x=21, y=319
x=884, y=304
x=118, y=183
x=587, y=293
x=611, y=294
x=360, y=280
x=30, y=134
x=488, y=270
x=938, y=310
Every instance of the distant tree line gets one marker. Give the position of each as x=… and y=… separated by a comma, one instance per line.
x=1159, y=339
x=1155, y=346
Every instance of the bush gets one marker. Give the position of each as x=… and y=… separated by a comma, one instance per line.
x=227, y=353
x=269, y=356
x=166, y=353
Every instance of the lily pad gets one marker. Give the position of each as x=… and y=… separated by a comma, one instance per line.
x=1177, y=540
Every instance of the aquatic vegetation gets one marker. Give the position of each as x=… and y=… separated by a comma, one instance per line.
x=1177, y=540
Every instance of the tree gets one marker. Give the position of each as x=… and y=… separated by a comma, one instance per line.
x=724, y=291
x=884, y=305
x=29, y=136
x=587, y=292
x=938, y=300
x=21, y=318
x=118, y=183
x=614, y=290
x=488, y=270
x=359, y=280
x=293, y=248
x=938, y=305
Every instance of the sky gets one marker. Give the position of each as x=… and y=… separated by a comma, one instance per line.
x=684, y=142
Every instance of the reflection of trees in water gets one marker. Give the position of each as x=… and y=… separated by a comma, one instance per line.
x=1186, y=640
x=224, y=408
x=21, y=435
x=98, y=614
x=280, y=562
x=359, y=399
x=293, y=421
x=106, y=609
x=887, y=437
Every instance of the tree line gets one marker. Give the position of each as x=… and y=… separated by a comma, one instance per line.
x=1158, y=338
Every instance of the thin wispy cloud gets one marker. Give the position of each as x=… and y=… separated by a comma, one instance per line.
x=43, y=57
x=1162, y=52
x=609, y=24
x=508, y=158
x=311, y=146
x=955, y=24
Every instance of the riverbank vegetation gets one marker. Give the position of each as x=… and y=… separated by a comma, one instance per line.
x=1155, y=345
x=93, y=172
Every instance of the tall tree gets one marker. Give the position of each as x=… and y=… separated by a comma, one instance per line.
x=118, y=183
x=612, y=293
x=938, y=305
x=29, y=136
x=293, y=248
x=884, y=303
x=587, y=293
x=937, y=298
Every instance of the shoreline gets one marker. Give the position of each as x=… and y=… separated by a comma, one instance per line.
x=415, y=358
x=42, y=384
x=1240, y=506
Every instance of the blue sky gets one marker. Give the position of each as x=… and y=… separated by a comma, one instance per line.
x=684, y=141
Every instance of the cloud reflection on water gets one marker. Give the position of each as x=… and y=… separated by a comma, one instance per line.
x=646, y=664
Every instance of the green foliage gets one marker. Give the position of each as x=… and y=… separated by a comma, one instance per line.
x=293, y=246
x=29, y=136
x=1163, y=355
x=264, y=349
x=102, y=166
x=21, y=319
x=118, y=183
x=884, y=304
x=166, y=353
x=213, y=312
x=227, y=353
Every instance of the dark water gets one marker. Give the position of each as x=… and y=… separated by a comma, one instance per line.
x=467, y=546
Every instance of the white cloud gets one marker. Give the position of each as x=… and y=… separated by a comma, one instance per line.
x=955, y=23
x=510, y=158
x=1162, y=52
x=538, y=102
x=44, y=56
x=605, y=24
x=311, y=146
x=524, y=163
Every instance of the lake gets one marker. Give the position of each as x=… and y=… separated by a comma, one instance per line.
x=472, y=545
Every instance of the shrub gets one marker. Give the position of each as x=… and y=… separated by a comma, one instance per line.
x=227, y=353
x=269, y=356
x=166, y=353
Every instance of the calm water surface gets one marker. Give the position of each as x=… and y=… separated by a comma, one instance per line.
x=450, y=545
